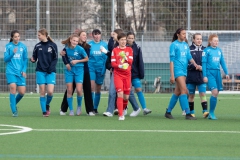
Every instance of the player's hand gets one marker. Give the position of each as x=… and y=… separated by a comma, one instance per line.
x=62, y=53
x=102, y=49
x=24, y=74
x=125, y=66
x=32, y=59
x=205, y=79
x=172, y=79
x=227, y=77
x=122, y=54
x=200, y=68
x=68, y=67
x=73, y=62
x=15, y=50
x=120, y=66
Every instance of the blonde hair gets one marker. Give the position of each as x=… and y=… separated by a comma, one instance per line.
x=210, y=38
x=67, y=41
x=43, y=31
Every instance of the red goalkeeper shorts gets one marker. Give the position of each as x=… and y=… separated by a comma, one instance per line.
x=122, y=84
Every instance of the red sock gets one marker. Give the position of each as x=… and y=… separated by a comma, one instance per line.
x=125, y=103
x=120, y=106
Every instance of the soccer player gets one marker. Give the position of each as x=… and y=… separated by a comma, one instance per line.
x=195, y=77
x=212, y=58
x=46, y=53
x=113, y=43
x=137, y=74
x=121, y=61
x=97, y=60
x=74, y=70
x=15, y=56
x=86, y=78
x=179, y=57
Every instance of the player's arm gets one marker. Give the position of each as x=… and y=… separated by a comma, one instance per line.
x=33, y=59
x=191, y=66
x=54, y=57
x=130, y=57
x=84, y=59
x=204, y=66
x=141, y=64
x=25, y=61
x=8, y=54
x=189, y=57
x=224, y=66
x=172, y=77
x=172, y=57
x=65, y=57
x=114, y=60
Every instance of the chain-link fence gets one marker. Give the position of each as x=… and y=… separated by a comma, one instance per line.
x=153, y=21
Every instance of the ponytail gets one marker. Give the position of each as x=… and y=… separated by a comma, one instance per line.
x=12, y=34
x=178, y=31
x=49, y=38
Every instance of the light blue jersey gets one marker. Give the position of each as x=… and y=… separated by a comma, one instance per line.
x=211, y=60
x=76, y=53
x=16, y=63
x=179, y=55
x=97, y=58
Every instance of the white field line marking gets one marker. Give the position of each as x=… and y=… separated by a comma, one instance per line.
x=19, y=129
x=9, y=129
x=136, y=97
x=151, y=131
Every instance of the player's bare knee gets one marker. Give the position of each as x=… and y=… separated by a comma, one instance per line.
x=138, y=89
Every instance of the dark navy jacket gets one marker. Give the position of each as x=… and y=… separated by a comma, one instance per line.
x=195, y=76
x=111, y=46
x=66, y=61
x=46, y=55
x=137, y=65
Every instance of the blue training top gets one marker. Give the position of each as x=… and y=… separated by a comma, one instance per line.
x=76, y=53
x=97, y=58
x=211, y=60
x=179, y=55
x=16, y=63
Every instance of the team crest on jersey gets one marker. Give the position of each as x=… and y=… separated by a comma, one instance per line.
x=185, y=47
x=75, y=53
x=219, y=53
x=183, y=54
x=21, y=49
x=127, y=53
x=203, y=53
x=49, y=49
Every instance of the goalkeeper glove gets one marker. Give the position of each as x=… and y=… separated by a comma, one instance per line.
x=103, y=49
x=125, y=66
